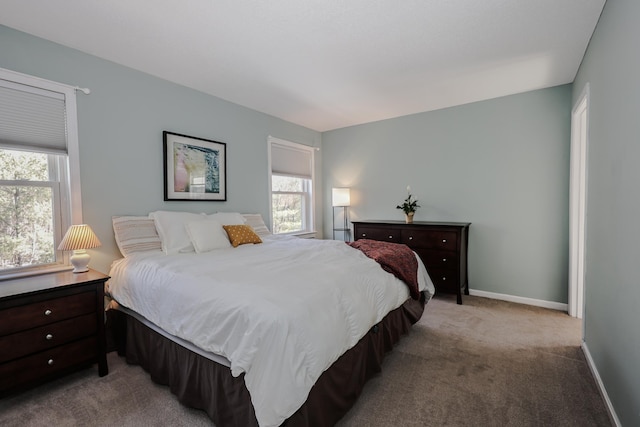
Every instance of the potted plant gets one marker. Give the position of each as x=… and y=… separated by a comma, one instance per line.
x=409, y=206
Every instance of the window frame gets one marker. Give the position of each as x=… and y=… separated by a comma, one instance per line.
x=308, y=208
x=64, y=172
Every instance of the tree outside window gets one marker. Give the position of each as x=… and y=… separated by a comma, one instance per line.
x=290, y=198
x=27, y=232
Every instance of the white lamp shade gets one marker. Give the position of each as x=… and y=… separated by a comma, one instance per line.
x=341, y=197
x=77, y=239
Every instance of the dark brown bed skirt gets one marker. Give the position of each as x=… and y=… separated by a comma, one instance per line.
x=202, y=383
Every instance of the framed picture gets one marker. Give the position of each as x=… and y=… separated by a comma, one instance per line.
x=194, y=168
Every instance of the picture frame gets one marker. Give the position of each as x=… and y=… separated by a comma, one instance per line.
x=195, y=169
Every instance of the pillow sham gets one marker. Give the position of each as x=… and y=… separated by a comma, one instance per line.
x=228, y=218
x=241, y=235
x=207, y=235
x=257, y=223
x=135, y=234
x=172, y=231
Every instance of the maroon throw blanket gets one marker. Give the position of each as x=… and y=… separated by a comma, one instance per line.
x=394, y=258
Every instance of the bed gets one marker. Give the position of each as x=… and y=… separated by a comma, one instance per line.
x=255, y=329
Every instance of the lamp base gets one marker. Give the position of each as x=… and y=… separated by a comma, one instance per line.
x=80, y=261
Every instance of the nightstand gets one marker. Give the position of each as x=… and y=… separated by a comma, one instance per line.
x=50, y=324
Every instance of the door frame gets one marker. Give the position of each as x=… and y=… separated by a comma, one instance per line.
x=578, y=203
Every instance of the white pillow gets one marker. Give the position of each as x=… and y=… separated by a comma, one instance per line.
x=135, y=234
x=257, y=223
x=172, y=231
x=228, y=218
x=207, y=235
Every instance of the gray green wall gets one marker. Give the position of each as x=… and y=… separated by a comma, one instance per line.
x=502, y=165
x=611, y=67
x=120, y=132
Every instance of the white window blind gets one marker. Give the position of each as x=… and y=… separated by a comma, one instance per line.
x=291, y=161
x=32, y=119
x=39, y=156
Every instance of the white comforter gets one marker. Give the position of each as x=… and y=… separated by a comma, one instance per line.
x=281, y=312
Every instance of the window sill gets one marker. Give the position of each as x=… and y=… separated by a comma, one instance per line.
x=35, y=272
x=302, y=234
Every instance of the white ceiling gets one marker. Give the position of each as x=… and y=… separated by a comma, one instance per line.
x=327, y=64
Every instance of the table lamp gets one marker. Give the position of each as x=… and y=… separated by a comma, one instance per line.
x=78, y=239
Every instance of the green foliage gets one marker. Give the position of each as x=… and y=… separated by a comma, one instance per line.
x=26, y=211
x=287, y=213
x=287, y=207
x=409, y=205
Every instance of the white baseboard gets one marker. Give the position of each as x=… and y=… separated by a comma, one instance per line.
x=521, y=300
x=603, y=391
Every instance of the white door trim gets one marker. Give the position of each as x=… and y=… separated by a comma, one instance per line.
x=578, y=202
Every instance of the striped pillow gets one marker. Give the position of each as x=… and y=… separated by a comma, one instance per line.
x=257, y=223
x=136, y=234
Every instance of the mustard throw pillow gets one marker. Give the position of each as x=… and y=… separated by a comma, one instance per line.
x=241, y=234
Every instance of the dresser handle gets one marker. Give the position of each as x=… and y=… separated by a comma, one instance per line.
x=390, y=237
x=364, y=234
x=47, y=312
x=444, y=278
x=49, y=337
x=410, y=237
x=444, y=240
x=444, y=260
x=50, y=362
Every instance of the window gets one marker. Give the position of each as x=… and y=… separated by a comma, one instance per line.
x=39, y=199
x=29, y=192
x=291, y=187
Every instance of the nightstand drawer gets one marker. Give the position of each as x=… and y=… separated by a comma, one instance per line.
x=433, y=239
x=29, y=316
x=47, y=363
x=38, y=339
x=381, y=234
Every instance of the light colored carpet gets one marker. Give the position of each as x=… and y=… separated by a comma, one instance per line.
x=484, y=363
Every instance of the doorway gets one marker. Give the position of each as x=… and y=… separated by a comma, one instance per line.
x=578, y=205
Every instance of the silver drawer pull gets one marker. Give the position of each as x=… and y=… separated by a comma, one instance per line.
x=50, y=362
x=391, y=237
x=444, y=260
x=444, y=240
x=364, y=234
x=444, y=278
x=49, y=337
x=47, y=312
x=410, y=237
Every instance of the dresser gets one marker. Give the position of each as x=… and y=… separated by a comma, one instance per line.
x=442, y=247
x=50, y=325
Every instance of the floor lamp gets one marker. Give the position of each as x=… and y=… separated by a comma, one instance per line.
x=341, y=198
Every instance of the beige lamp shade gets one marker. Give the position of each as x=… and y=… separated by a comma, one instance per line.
x=341, y=197
x=78, y=238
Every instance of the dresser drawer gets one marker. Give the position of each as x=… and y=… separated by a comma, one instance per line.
x=437, y=259
x=34, y=340
x=29, y=316
x=444, y=280
x=47, y=363
x=381, y=234
x=431, y=239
